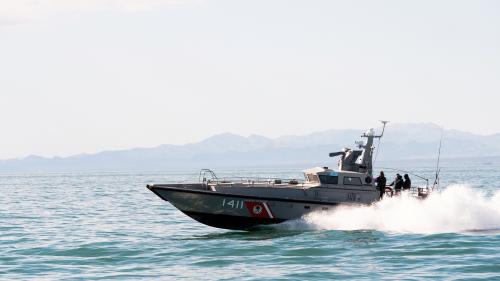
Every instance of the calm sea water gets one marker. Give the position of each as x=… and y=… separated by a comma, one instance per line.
x=109, y=226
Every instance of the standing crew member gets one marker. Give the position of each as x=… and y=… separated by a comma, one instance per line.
x=407, y=182
x=381, y=182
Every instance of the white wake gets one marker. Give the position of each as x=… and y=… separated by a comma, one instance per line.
x=457, y=208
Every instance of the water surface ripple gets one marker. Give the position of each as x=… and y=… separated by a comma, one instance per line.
x=109, y=226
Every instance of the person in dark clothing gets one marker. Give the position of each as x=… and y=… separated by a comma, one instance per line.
x=397, y=183
x=407, y=182
x=381, y=182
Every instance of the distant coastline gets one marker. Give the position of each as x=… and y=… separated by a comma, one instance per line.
x=402, y=142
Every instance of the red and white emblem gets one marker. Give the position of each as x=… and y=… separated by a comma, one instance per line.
x=259, y=209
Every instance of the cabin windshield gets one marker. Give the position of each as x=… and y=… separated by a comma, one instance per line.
x=312, y=178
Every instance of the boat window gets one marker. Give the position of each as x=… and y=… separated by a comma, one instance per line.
x=329, y=179
x=352, y=181
x=312, y=178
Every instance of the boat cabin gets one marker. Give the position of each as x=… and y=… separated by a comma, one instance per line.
x=325, y=176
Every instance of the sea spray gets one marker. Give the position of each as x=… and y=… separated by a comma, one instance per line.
x=457, y=208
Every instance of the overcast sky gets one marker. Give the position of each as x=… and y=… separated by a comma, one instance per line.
x=86, y=75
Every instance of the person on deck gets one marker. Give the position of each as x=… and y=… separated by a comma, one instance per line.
x=397, y=183
x=381, y=182
x=407, y=183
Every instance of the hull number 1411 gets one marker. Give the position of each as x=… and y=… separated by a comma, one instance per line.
x=235, y=204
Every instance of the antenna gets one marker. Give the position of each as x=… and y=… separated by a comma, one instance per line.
x=384, y=123
x=438, y=170
x=383, y=127
x=407, y=172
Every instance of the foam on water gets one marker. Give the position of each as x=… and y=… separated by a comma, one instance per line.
x=458, y=208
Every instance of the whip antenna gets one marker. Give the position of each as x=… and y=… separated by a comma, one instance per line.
x=438, y=170
x=378, y=145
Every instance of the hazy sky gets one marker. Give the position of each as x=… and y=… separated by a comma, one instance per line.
x=87, y=75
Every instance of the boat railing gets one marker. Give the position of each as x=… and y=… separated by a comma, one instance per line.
x=252, y=181
x=207, y=174
x=417, y=191
x=208, y=177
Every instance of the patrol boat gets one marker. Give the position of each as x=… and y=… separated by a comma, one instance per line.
x=246, y=204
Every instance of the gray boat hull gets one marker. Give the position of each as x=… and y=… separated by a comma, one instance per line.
x=241, y=211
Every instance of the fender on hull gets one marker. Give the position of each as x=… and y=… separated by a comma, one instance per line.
x=231, y=222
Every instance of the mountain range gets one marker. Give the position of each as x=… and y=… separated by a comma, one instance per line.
x=400, y=142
